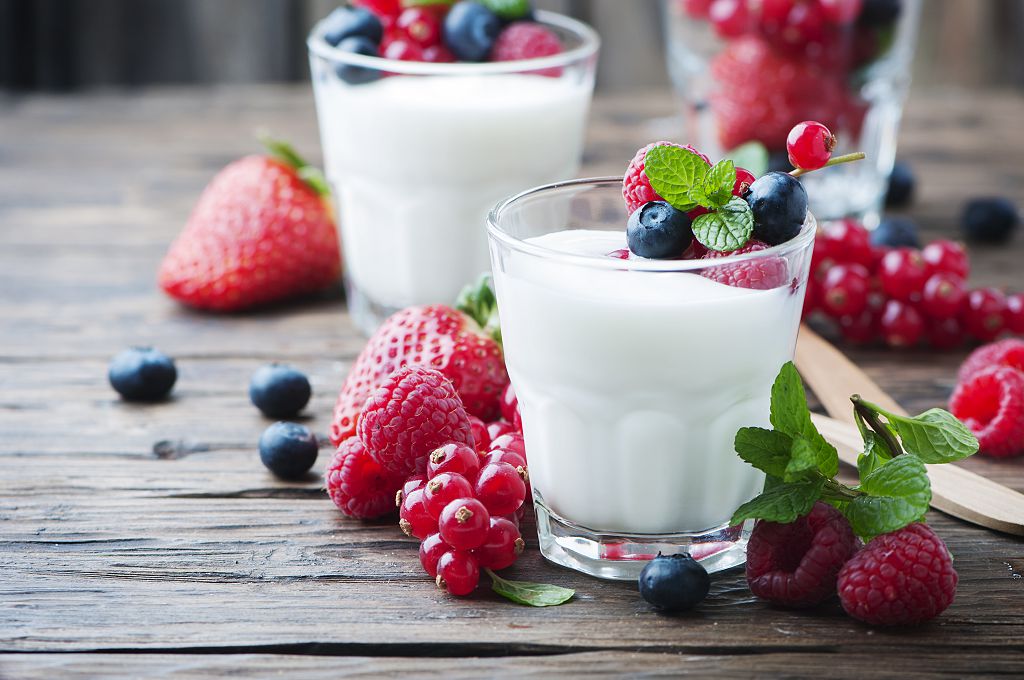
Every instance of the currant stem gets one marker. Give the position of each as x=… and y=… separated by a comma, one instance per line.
x=869, y=412
x=835, y=160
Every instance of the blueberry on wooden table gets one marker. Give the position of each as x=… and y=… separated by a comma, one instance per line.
x=142, y=374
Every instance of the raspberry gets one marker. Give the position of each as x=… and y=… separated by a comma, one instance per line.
x=984, y=314
x=636, y=188
x=902, y=577
x=991, y=404
x=358, y=485
x=796, y=564
x=525, y=40
x=761, y=274
x=412, y=413
x=810, y=145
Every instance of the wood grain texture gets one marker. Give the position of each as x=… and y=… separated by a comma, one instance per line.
x=141, y=540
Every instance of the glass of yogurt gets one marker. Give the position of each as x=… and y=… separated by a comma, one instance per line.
x=417, y=153
x=633, y=376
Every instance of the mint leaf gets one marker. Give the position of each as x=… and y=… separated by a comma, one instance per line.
x=789, y=414
x=716, y=187
x=725, y=229
x=874, y=456
x=782, y=503
x=935, y=436
x=505, y=9
x=766, y=450
x=896, y=494
x=532, y=594
x=752, y=156
x=803, y=458
x=673, y=172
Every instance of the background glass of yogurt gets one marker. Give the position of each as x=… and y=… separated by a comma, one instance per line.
x=753, y=87
x=633, y=377
x=417, y=156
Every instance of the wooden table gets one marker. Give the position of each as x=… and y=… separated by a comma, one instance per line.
x=149, y=539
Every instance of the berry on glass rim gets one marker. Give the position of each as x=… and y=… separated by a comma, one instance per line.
x=845, y=290
x=454, y=457
x=458, y=572
x=946, y=256
x=503, y=545
x=526, y=40
x=414, y=519
x=501, y=487
x=431, y=549
x=810, y=145
x=464, y=523
x=984, y=314
x=469, y=31
x=943, y=295
x=399, y=49
x=901, y=324
x=420, y=25
x=991, y=404
x=348, y=22
x=443, y=489
x=763, y=274
x=903, y=273
x=438, y=54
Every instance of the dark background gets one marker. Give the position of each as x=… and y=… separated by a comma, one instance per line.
x=59, y=45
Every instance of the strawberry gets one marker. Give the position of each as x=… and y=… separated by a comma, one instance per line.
x=259, y=233
x=459, y=342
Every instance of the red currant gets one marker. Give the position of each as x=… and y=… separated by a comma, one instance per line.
x=501, y=488
x=413, y=482
x=744, y=178
x=822, y=258
x=464, y=523
x=805, y=24
x=499, y=428
x=431, y=549
x=809, y=143
x=947, y=256
x=481, y=440
x=443, y=489
x=860, y=329
x=984, y=315
x=454, y=457
x=849, y=242
x=414, y=518
x=382, y=8
x=902, y=325
x=503, y=545
x=438, y=54
x=512, y=441
x=1015, y=313
x=774, y=14
x=945, y=333
x=840, y=12
x=943, y=295
x=517, y=422
x=729, y=17
x=420, y=25
x=458, y=572
x=514, y=459
x=845, y=290
x=903, y=273
x=402, y=50
x=509, y=402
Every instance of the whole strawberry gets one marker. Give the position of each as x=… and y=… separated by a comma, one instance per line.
x=259, y=233
x=459, y=343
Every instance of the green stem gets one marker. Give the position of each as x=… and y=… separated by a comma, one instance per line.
x=835, y=160
x=869, y=412
x=284, y=152
x=833, y=490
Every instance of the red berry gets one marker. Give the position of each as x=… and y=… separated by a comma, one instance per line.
x=848, y=241
x=744, y=178
x=499, y=428
x=443, y=489
x=810, y=145
x=357, y=484
x=517, y=421
x=438, y=54
x=822, y=258
x=729, y=17
x=402, y=50
x=946, y=256
x=420, y=25
x=1009, y=352
x=945, y=333
x=899, y=578
x=903, y=273
x=845, y=290
x=526, y=40
x=509, y=402
x=620, y=254
x=514, y=459
x=796, y=564
x=984, y=315
x=860, y=329
x=774, y=13
x=943, y=295
x=415, y=520
x=431, y=549
x=503, y=545
x=901, y=324
x=760, y=274
x=481, y=440
x=991, y=404
x=382, y=8
x=461, y=459
x=513, y=441
x=464, y=523
x=458, y=572
x=1015, y=313
x=501, y=488
x=840, y=12
x=636, y=187
x=413, y=482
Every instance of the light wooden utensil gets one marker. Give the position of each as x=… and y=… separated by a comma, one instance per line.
x=955, y=490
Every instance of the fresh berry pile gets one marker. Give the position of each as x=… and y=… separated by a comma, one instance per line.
x=989, y=397
x=880, y=286
x=487, y=30
x=789, y=60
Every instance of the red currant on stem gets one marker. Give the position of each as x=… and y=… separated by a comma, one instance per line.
x=458, y=572
x=454, y=457
x=945, y=333
x=810, y=145
x=464, y=523
x=943, y=295
x=902, y=325
x=414, y=518
x=946, y=256
x=984, y=315
x=443, y=489
x=422, y=26
x=431, y=549
x=903, y=273
x=845, y=290
x=501, y=488
x=503, y=545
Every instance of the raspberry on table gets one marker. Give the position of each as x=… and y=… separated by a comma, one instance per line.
x=358, y=485
x=412, y=413
x=761, y=274
x=636, y=188
x=899, y=578
x=796, y=564
x=991, y=404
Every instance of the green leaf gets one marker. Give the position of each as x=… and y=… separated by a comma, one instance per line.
x=896, y=494
x=717, y=185
x=673, y=172
x=789, y=414
x=508, y=10
x=766, y=450
x=935, y=436
x=874, y=455
x=782, y=503
x=752, y=156
x=803, y=458
x=481, y=304
x=533, y=594
x=725, y=229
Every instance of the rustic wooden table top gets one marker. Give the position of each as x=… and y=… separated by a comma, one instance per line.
x=142, y=540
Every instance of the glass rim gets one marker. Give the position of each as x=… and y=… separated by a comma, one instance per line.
x=495, y=232
x=590, y=42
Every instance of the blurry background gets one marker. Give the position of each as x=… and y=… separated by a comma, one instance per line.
x=79, y=44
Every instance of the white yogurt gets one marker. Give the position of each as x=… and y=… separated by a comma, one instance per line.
x=416, y=163
x=633, y=384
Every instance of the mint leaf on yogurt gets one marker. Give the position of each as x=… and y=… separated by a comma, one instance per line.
x=673, y=173
x=716, y=187
x=727, y=228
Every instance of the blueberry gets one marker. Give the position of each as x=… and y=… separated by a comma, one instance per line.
x=901, y=186
x=779, y=204
x=896, y=232
x=674, y=583
x=879, y=12
x=989, y=220
x=288, y=449
x=470, y=30
x=657, y=230
x=279, y=391
x=346, y=22
x=357, y=75
x=142, y=374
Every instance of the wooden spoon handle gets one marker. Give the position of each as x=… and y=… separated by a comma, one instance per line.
x=955, y=490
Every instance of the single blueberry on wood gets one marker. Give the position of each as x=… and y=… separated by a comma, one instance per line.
x=279, y=391
x=142, y=374
x=896, y=232
x=674, y=583
x=989, y=220
x=288, y=449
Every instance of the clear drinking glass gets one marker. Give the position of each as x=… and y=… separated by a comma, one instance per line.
x=757, y=82
x=417, y=153
x=633, y=377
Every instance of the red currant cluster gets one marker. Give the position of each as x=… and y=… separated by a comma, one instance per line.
x=412, y=33
x=903, y=296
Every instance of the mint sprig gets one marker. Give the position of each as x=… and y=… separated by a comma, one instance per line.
x=801, y=465
x=532, y=594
